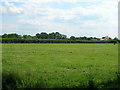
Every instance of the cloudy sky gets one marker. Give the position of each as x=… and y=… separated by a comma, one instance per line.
x=70, y=17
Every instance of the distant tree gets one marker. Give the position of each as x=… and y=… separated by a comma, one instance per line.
x=44, y=35
x=116, y=39
x=56, y=35
x=72, y=37
x=34, y=37
x=38, y=35
x=90, y=38
x=27, y=36
x=51, y=35
x=83, y=38
x=64, y=36
x=5, y=36
x=13, y=35
x=77, y=38
x=95, y=38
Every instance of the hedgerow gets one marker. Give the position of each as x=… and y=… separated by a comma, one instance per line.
x=20, y=40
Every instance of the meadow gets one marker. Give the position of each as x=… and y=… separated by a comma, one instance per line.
x=60, y=65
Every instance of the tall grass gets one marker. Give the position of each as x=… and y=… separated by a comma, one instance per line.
x=13, y=81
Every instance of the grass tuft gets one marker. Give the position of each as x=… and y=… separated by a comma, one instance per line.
x=13, y=80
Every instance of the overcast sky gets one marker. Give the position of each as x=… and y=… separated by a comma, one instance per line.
x=70, y=17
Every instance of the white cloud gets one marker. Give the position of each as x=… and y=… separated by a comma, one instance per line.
x=1, y=9
x=12, y=0
x=16, y=9
x=11, y=8
x=8, y=4
x=51, y=13
x=44, y=1
x=58, y=1
x=37, y=13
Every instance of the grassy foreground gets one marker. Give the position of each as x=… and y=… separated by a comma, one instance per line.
x=60, y=66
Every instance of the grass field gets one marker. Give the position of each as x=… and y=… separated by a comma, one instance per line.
x=60, y=65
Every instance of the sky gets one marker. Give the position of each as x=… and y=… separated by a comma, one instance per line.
x=92, y=18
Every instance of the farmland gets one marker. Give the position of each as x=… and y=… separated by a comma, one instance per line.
x=60, y=65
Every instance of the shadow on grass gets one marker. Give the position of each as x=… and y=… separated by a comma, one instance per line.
x=113, y=84
x=12, y=81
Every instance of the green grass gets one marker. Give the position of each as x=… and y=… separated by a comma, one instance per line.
x=60, y=65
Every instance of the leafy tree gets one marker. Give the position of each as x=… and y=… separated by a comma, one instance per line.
x=5, y=36
x=116, y=39
x=51, y=35
x=38, y=35
x=72, y=37
x=83, y=38
x=44, y=35
x=64, y=36
x=13, y=35
x=27, y=37
x=57, y=35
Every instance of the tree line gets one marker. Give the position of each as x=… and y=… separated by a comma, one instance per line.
x=54, y=37
x=42, y=35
